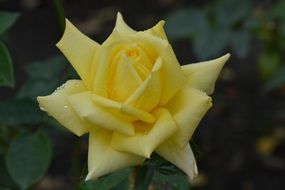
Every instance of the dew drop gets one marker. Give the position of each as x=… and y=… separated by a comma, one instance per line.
x=60, y=88
x=43, y=109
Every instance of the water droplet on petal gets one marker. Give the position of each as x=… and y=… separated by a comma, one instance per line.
x=43, y=109
x=60, y=88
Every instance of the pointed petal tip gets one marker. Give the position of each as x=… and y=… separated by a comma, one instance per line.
x=41, y=99
x=161, y=23
x=67, y=23
x=119, y=15
x=90, y=176
x=227, y=56
x=120, y=18
x=223, y=59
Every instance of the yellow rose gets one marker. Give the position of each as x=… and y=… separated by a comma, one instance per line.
x=133, y=98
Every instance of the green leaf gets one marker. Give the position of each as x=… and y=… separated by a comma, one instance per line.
x=5, y=179
x=161, y=165
x=277, y=80
x=108, y=182
x=175, y=182
x=278, y=10
x=16, y=112
x=197, y=153
x=47, y=69
x=28, y=158
x=240, y=42
x=230, y=13
x=7, y=20
x=144, y=177
x=44, y=77
x=122, y=185
x=6, y=67
x=267, y=64
x=37, y=87
x=211, y=43
x=185, y=23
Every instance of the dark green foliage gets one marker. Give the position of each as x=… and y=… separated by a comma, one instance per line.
x=44, y=77
x=117, y=180
x=173, y=181
x=28, y=158
x=7, y=20
x=224, y=24
x=6, y=67
x=17, y=112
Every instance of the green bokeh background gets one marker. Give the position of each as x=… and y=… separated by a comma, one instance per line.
x=241, y=140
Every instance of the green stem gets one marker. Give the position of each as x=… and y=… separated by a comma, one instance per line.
x=60, y=13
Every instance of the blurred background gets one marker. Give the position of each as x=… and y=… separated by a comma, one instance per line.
x=241, y=141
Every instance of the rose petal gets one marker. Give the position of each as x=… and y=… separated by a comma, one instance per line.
x=188, y=107
x=120, y=31
x=84, y=106
x=172, y=75
x=134, y=113
x=121, y=25
x=147, y=96
x=79, y=50
x=183, y=158
x=143, y=143
x=124, y=80
x=203, y=75
x=158, y=30
x=57, y=106
x=102, y=72
x=102, y=159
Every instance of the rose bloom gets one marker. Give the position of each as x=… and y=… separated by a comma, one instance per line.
x=133, y=98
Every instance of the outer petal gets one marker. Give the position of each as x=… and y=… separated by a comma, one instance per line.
x=158, y=30
x=203, y=75
x=173, y=78
x=143, y=143
x=102, y=159
x=187, y=108
x=58, y=107
x=183, y=158
x=79, y=50
x=148, y=95
x=86, y=108
x=121, y=25
x=120, y=31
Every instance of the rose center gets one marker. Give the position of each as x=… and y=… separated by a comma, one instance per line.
x=130, y=67
x=133, y=53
